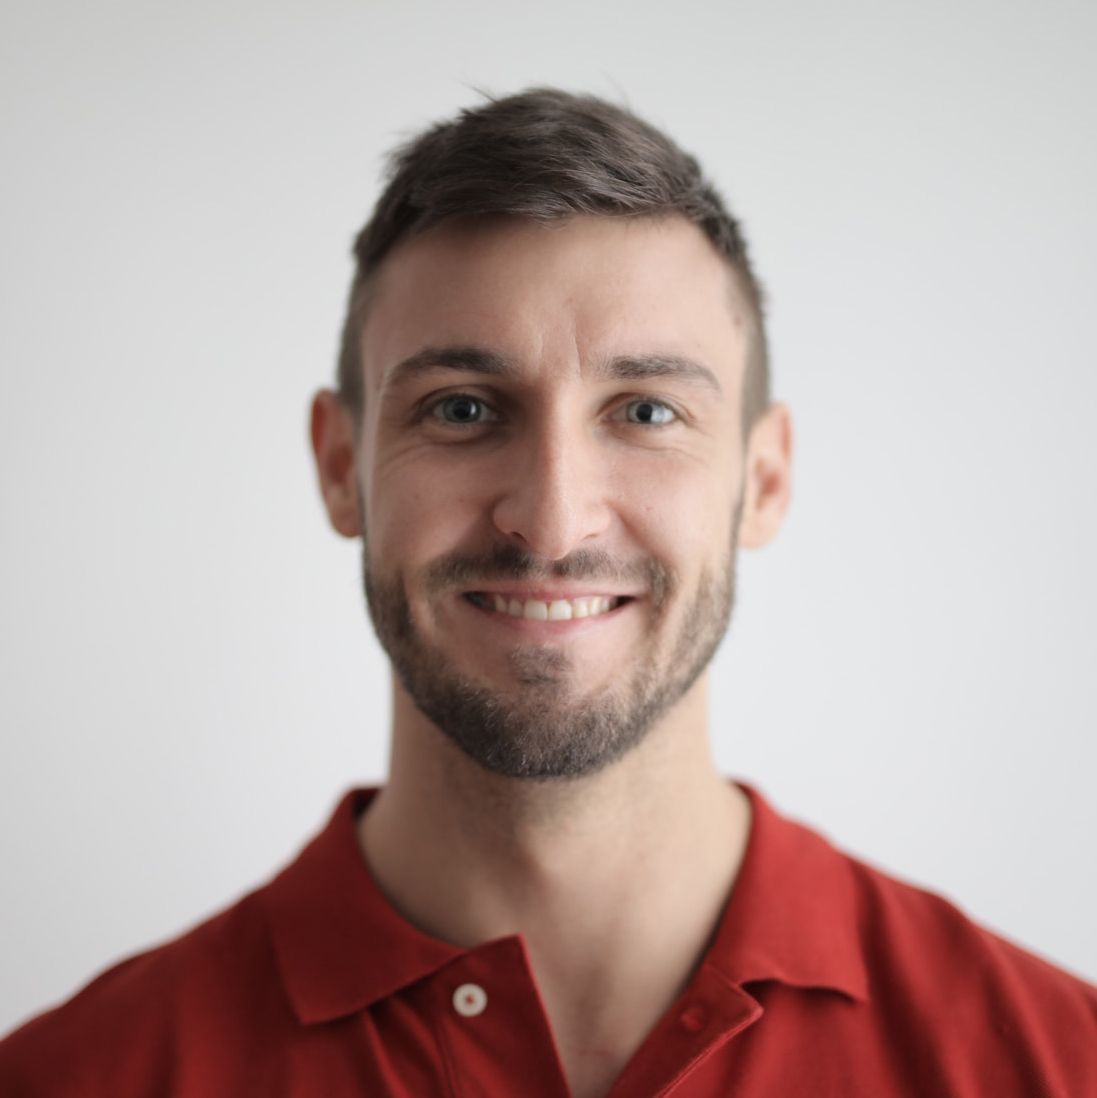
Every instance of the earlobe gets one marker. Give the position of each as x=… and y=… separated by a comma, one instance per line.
x=331, y=432
x=767, y=480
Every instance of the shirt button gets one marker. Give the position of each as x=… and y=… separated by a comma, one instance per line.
x=693, y=1018
x=470, y=1000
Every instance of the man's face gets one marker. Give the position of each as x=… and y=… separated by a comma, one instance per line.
x=550, y=469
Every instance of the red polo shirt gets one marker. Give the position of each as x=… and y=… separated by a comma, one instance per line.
x=825, y=978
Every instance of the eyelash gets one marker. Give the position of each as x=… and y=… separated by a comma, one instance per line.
x=432, y=409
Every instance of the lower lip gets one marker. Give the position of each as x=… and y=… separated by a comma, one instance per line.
x=533, y=628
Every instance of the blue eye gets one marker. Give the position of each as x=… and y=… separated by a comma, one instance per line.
x=460, y=409
x=652, y=413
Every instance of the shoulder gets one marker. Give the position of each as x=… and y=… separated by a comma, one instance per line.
x=977, y=995
x=119, y=1035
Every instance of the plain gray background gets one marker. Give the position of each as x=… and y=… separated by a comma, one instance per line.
x=189, y=679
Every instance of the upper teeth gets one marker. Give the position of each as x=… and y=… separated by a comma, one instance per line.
x=558, y=610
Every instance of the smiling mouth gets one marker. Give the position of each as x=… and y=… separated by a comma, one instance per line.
x=590, y=606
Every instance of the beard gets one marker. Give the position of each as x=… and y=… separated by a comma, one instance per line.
x=543, y=728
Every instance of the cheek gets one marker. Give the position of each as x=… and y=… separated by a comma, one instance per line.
x=684, y=507
x=413, y=514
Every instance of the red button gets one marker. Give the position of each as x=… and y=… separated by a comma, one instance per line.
x=693, y=1018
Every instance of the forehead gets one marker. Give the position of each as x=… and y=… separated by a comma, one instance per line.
x=558, y=297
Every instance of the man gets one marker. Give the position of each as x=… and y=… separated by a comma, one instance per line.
x=552, y=433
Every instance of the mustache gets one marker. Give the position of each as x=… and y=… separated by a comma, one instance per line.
x=511, y=562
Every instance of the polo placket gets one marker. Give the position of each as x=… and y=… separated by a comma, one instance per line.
x=708, y=1014
x=495, y=1036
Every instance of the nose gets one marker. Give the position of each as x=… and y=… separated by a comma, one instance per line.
x=554, y=496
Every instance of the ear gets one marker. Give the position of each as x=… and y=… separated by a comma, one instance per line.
x=767, y=479
x=331, y=430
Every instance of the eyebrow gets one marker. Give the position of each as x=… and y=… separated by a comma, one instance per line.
x=641, y=367
x=476, y=360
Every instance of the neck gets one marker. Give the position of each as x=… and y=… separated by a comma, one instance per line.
x=469, y=855
x=616, y=881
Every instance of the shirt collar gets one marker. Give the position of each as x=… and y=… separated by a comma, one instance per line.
x=793, y=912
x=340, y=945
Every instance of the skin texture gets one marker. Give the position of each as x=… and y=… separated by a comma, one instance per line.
x=574, y=799
x=536, y=724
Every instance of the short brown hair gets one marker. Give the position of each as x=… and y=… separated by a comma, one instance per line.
x=545, y=154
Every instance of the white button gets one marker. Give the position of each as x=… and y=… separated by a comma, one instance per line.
x=470, y=1000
